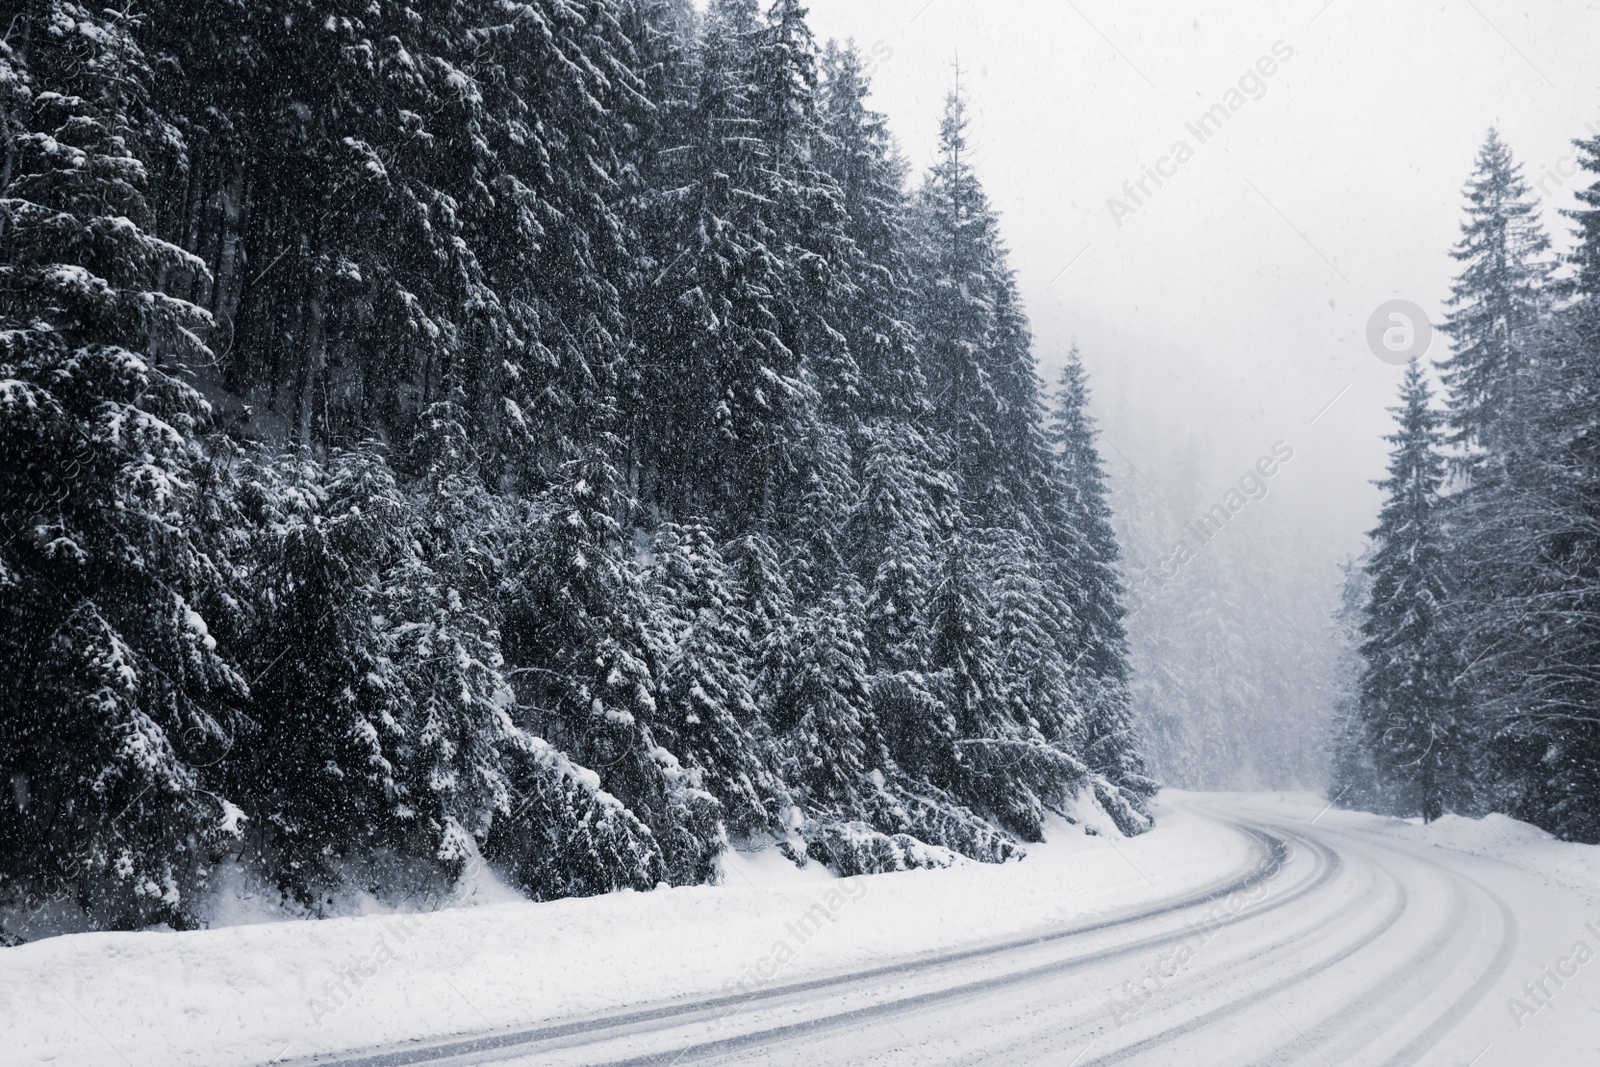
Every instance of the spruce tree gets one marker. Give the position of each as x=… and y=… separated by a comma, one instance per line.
x=874, y=314
x=1529, y=566
x=580, y=657
x=1525, y=567
x=443, y=614
x=951, y=748
x=705, y=659
x=1085, y=582
x=115, y=678
x=1409, y=705
x=958, y=277
x=1496, y=301
x=321, y=767
x=892, y=540
x=1585, y=256
x=822, y=706
x=725, y=388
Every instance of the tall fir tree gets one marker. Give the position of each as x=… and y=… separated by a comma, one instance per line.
x=874, y=313
x=709, y=714
x=1585, y=256
x=1409, y=702
x=725, y=389
x=115, y=676
x=320, y=765
x=1529, y=558
x=580, y=653
x=958, y=278
x=1083, y=549
x=1496, y=301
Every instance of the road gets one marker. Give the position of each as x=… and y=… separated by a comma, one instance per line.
x=1330, y=947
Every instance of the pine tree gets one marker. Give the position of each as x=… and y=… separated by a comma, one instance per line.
x=1528, y=559
x=855, y=148
x=566, y=837
x=821, y=706
x=1037, y=702
x=967, y=683
x=1082, y=546
x=808, y=217
x=725, y=390
x=892, y=540
x=569, y=107
x=321, y=769
x=318, y=127
x=442, y=609
x=114, y=675
x=1409, y=705
x=1585, y=256
x=1497, y=299
x=575, y=638
x=958, y=279
x=705, y=663
x=1525, y=562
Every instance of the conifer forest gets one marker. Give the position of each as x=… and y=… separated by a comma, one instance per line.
x=561, y=435
x=1476, y=610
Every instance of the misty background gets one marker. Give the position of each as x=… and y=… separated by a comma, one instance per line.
x=1227, y=312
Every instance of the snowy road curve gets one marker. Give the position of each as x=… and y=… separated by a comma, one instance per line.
x=1331, y=947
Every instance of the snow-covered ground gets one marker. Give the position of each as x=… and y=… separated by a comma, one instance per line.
x=1469, y=907
x=254, y=993
x=1572, y=868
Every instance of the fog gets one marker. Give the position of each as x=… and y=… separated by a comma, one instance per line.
x=1222, y=308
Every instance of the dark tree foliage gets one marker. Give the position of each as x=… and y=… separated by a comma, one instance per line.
x=113, y=673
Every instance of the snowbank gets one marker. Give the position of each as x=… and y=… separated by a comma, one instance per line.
x=250, y=994
x=1564, y=865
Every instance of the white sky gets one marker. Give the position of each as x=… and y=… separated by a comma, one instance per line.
x=1231, y=307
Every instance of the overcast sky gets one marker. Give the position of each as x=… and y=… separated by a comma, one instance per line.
x=1231, y=306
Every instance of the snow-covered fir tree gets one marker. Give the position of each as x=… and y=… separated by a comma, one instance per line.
x=1496, y=300
x=320, y=766
x=580, y=655
x=115, y=678
x=1084, y=550
x=1410, y=707
x=708, y=696
x=1526, y=556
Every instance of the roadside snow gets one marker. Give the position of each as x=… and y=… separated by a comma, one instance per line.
x=1562, y=865
x=1575, y=868
x=254, y=993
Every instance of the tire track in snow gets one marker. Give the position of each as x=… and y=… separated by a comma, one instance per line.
x=1271, y=852
x=1087, y=1025
x=860, y=1017
x=1241, y=1004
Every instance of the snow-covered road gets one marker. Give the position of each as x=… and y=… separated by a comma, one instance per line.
x=1337, y=940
